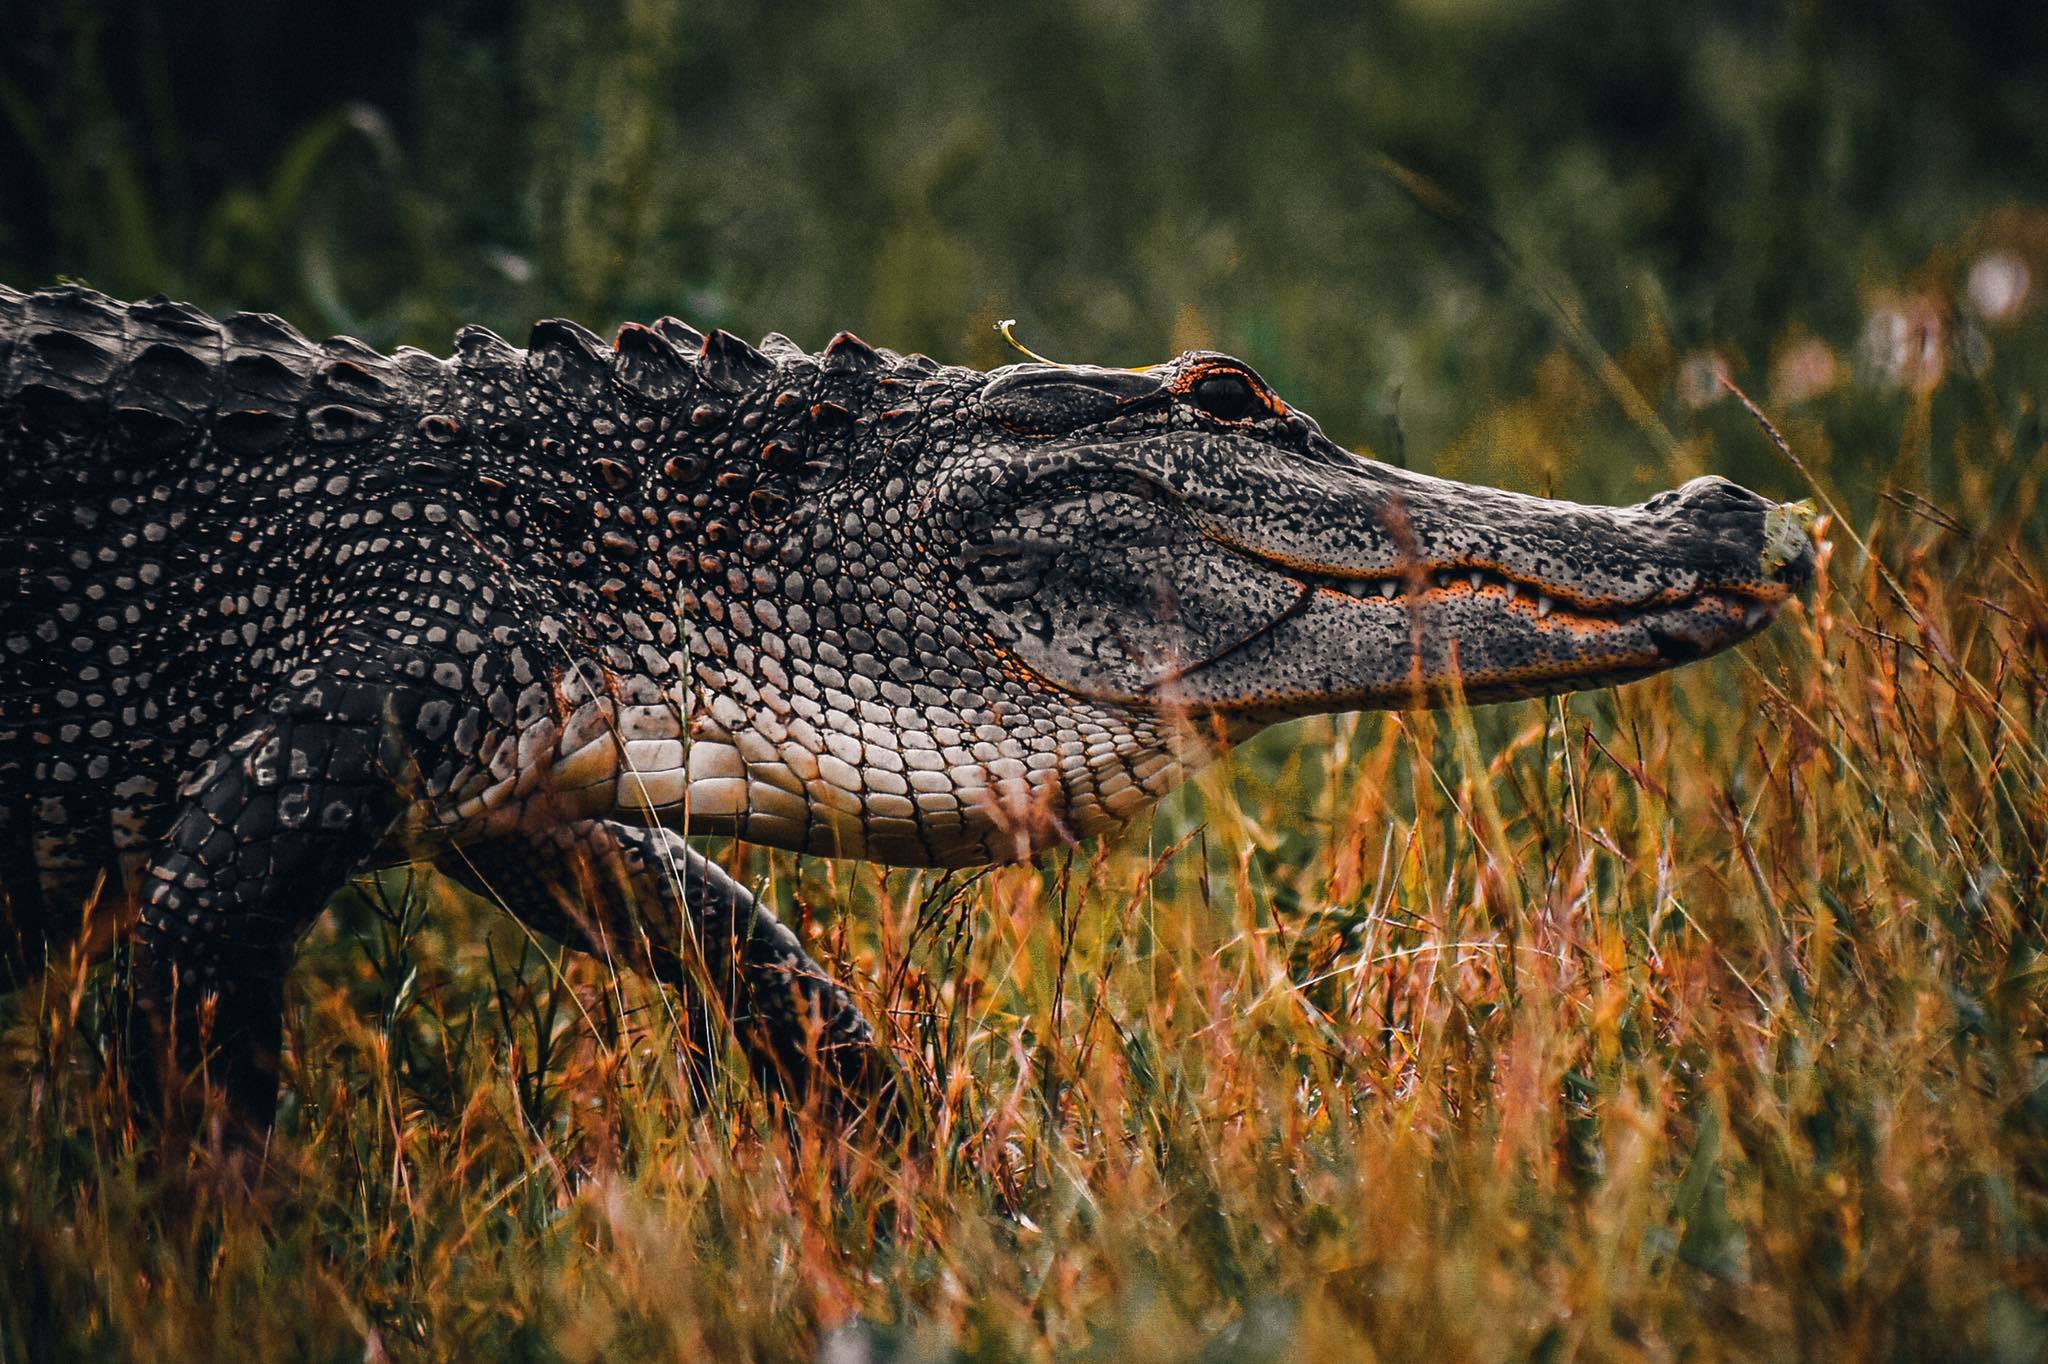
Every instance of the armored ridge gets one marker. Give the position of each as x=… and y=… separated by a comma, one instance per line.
x=285, y=609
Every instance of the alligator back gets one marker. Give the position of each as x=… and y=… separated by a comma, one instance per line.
x=148, y=459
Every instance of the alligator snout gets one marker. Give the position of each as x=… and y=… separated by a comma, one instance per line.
x=1757, y=537
x=1408, y=589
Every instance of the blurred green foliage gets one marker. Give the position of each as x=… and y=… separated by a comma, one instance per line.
x=1128, y=177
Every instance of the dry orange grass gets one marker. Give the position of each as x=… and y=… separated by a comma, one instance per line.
x=1702, y=1020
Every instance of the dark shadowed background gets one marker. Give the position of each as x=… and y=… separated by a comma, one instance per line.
x=1824, y=199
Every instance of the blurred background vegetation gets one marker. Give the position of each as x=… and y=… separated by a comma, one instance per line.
x=1820, y=197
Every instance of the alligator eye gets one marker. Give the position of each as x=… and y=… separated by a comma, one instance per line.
x=1227, y=396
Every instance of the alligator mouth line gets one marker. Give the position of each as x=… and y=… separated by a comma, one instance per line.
x=1758, y=602
x=1756, y=610
x=1585, y=619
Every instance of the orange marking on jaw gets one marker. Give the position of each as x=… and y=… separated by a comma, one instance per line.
x=1562, y=615
x=1765, y=592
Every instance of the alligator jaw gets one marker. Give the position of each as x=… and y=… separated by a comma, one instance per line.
x=1474, y=594
x=1493, y=642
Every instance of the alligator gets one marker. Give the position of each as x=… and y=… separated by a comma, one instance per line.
x=286, y=610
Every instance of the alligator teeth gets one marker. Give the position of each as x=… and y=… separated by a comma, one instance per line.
x=1388, y=589
x=1514, y=590
x=1752, y=616
x=1443, y=578
x=1362, y=587
x=1475, y=577
x=1544, y=606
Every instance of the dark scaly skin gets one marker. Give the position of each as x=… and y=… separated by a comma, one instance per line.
x=286, y=609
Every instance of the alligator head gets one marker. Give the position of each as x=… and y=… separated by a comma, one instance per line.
x=1056, y=588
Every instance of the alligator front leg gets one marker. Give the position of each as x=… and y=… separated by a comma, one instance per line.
x=269, y=829
x=644, y=896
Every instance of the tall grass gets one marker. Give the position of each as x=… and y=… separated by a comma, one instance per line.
x=1702, y=1019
